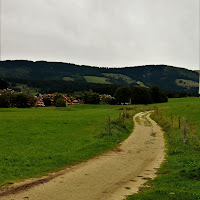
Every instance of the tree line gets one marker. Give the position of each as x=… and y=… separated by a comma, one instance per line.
x=129, y=95
x=19, y=100
x=89, y=93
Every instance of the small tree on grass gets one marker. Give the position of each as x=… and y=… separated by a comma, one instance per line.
x=5, y=101
x=3, y=84
x=60, y=102
x=141, y=95
x=47, y=101
x=123, y=94
x=157, y=95
x=22, y=100
x=57, y=96
x=91, y=97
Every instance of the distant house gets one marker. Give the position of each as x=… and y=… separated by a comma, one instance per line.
x=75, y=102
x=49, y=96
x=102, y=96
x=39, y=103
x=69, y=100
x=7, y=90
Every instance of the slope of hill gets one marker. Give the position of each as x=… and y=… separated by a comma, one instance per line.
x=166, y=77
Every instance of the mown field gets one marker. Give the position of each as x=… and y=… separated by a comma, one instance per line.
x=36, y=141
x=179, y=176
x=96, y=79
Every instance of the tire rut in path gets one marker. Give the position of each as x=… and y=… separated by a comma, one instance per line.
x=111, y=176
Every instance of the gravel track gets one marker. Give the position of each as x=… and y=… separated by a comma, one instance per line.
x=110, y=176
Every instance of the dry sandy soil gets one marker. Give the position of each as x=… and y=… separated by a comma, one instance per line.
x=111, y=176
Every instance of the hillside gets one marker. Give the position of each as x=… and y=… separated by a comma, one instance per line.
x=166, y=77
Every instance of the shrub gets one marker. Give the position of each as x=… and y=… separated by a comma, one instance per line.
x=141, y=95
x=47, y=101
x=4, y=101
x=123, y=94
x=60, y=102
x=91, y=97
x=22, y=100
x=157, y=95
x=3, y=84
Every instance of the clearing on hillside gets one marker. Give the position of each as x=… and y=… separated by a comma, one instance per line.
x=128, y=79
x=96, y=79
x=186, y=83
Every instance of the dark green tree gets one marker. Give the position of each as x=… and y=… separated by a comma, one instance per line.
x=141, y=95
x=123, y=94
x=57, y=96
x=157, y=95
x=3, y=84
x=60, y=102
x=5, y=101
x=91, y=97
x=22, y=100
x=47, y=102
x=106, y=100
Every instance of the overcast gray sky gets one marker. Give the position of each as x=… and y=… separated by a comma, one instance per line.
x=109, y=33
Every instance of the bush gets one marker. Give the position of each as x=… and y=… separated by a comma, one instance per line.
x=141, y=95
x=60, y=102
x=47, y=102
x=19, y=100
x=22, y=100
x=157, y=95
x=123, y=94
x=3, y=84
x=4, y=101
x=91, y=97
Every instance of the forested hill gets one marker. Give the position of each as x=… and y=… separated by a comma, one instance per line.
x=166, y=77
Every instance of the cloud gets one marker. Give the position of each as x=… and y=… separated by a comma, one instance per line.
x=101, y=32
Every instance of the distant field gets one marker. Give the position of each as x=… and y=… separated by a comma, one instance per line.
x=68, y=79
x=118, y=76
x=179, y=177
x=186, y=83
x=26, y=89
x=96, y=79
x=36, y=141
x=141, y=84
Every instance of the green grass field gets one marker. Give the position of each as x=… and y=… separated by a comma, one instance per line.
x=179, y=176
x=67, y=78
x=40, y=140
x=128, y=79
x=96, y=79
x=26, y=89
x=186, y=83
x=36, y=141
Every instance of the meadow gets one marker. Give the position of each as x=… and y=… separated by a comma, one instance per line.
x=37, y=141
x=96, y=79
x=179, y=176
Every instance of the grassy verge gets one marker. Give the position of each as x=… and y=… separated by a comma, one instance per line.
x=179, y=176
x=37, y=141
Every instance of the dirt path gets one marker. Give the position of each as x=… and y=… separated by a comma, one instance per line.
x=111, y=176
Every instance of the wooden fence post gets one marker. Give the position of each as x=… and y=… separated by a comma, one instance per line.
x=157, y=110
x=185, y=133
x=109, y=125
x=125, y=112
x=119, y=117
x=161, y=113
